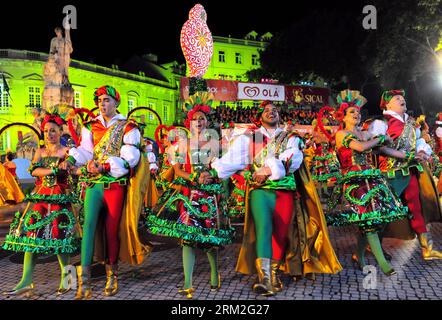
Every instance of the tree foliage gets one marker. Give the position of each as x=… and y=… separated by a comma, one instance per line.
x=401, y=48
x=319, y=45
x=333, y=43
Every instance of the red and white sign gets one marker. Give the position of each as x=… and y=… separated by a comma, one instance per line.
x=257, y=91
x=222, y=90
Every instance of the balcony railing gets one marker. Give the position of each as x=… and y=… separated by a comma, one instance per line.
x=252, y=43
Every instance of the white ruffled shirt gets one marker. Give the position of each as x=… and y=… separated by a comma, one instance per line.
x=128, y=151
x=237, y=157
x=151, y=157
x=378, y=127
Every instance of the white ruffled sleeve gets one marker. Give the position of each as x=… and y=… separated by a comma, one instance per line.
x=421, y=145
x=152, y=160
x=378, y=127
x=276, y=167
x=85, y=151
x=235, y=159
x=292, y=154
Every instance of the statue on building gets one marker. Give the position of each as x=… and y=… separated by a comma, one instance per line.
x=61, y=49
x=58, y=90
x=52, y=73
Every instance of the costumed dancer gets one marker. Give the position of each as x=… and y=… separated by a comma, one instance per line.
x=152, y=195
x=235, y=187
x=195, y=212
x=284, y=224
x=166, y=138
x=324, y=166
x=48, y=225
x=407, y=172
x=114, y=184
x=363, y=188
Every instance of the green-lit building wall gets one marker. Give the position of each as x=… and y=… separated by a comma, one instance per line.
x=23, y=72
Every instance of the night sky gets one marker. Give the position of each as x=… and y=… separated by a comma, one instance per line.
x=110, y=33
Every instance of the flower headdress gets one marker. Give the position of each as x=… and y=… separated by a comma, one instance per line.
x=199, y=102
x=346, y=99
x=54, y=118
x=62, y=114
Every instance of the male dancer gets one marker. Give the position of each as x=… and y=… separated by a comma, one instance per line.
x=278, y=232
x=108, y=154
x=407, y=173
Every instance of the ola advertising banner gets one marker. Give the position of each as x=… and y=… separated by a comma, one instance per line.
x=224, y=90
x=258, y=91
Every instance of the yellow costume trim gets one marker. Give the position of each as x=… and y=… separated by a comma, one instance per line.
x=9, y=188
x=132, y=251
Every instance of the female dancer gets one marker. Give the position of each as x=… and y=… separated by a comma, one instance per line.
x=194, y=214
x=49, y=227
x=370, y=199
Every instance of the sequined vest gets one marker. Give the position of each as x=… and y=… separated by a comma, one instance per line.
x=260, y=148
x=109, y=146
x=406, y=142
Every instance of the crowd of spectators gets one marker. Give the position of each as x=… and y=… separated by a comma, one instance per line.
x=224, y=114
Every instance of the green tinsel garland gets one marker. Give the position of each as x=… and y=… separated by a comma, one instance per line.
x=323, y=158
x=361, y=175
x=325, y=177
x=191, y=209
x=376, y=191
x=215, y=188
x=236, y=212
x=42, y=246
x=55, y=198
x=48, y=220
x=239, y=192
x=368, y=219
x=211, y=236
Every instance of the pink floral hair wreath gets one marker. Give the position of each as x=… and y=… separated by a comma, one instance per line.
x=198, y=108
x=54, y=118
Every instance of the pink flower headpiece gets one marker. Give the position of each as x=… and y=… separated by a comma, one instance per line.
x=55, y=118
x=339, y=115
x=198, y=108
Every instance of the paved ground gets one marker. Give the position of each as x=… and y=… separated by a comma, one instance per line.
x=161, y=275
